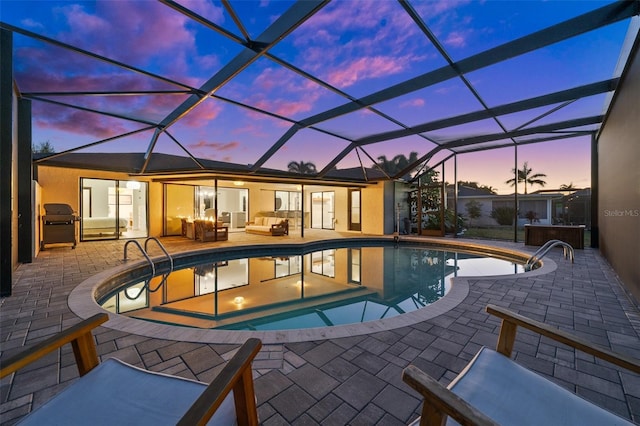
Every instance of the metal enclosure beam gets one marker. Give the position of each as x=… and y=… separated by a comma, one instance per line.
x=595, y=192
x=6, y=161
x=25, y=206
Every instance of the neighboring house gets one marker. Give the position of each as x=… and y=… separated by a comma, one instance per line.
x=544, y=206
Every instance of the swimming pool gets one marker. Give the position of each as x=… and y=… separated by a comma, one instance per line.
x=283, y=287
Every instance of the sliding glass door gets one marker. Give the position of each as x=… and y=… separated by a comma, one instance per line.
x=112, y=209
x=322, y=210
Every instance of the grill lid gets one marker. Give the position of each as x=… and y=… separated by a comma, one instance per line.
x=58, y=209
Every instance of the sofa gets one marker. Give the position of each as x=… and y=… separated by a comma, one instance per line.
x=274, y=226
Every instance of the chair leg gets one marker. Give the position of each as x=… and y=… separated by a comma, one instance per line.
x=506, y=338
x=243, y=395
x=84, y=349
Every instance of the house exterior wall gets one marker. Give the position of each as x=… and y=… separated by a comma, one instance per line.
x=373, y=214
x=619, y=180
x=62, y=185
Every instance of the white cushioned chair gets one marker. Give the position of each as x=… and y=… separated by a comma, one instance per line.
x=493, y=389
x=116, y=393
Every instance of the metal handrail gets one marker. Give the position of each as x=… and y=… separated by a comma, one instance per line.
x=144, y=253
x=542, y=251
x=164, y=250
x=153, y=266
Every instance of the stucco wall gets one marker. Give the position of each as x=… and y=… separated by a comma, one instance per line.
x=62, y=185
x=373, y=202
x=619, y=181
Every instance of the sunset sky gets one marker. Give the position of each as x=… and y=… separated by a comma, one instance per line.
x=356, y=47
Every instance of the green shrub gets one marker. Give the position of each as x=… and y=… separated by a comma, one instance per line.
x=503, y=215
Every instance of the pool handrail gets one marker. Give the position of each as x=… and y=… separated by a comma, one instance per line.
x=542, y=251
x=164, y=250
x=144, y=253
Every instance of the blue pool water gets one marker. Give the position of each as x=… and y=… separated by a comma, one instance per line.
x=277, y=290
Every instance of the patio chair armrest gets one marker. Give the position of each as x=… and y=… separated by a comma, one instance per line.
x=80, y=337
x=440, y=402
x=237, y=376
x=511, y=320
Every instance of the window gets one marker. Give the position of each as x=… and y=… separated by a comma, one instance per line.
x=533, y=208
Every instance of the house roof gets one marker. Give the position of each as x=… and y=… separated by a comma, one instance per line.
x=249, y=87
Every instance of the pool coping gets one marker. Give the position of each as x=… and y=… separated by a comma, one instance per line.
x=82, y=299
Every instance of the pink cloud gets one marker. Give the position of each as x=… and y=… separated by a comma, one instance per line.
x=78, y=122
x=348, y=43
x=215, y=146
x=146, y=34
x=201, y=115
x=418, y=102
x=30, y=23
x=365, y=68
x=250, y=128
x=455, y=39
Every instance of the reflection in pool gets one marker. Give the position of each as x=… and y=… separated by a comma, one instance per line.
x=318, y=289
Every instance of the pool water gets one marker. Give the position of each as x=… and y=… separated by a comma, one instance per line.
x=277, y=291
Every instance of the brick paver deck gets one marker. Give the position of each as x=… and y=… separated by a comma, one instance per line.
x=353, y=380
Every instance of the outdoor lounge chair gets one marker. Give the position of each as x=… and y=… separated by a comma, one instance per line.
x=207, y=230
x=492, y=389
x=114, y=392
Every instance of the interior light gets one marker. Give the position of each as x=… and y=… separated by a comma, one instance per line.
x=239, y=300
x=238, y=183
x=133, y=184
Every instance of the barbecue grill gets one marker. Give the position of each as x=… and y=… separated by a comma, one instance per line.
x=59, y=225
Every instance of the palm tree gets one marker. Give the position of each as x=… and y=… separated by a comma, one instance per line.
x=397, y=164
x=566, y=187
x=302, y=167
x=524, y=175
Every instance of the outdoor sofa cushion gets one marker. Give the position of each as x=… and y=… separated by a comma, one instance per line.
x=510, y=394
x=141, y=397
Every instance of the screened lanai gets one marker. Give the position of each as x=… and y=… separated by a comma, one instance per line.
x=266, y=87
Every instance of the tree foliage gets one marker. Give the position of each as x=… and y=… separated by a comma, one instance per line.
x=43, y=148
x=525, y=175
x=397, y=164
x=302, y=167
x=474, y=210
x=483, y=188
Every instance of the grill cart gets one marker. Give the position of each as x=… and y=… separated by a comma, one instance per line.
x=58, y=225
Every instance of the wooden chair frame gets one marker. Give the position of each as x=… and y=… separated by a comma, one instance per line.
x=236, y=374
x=440, y=402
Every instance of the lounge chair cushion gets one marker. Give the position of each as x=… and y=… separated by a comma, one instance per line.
x=116, y=393
x=512, y=395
